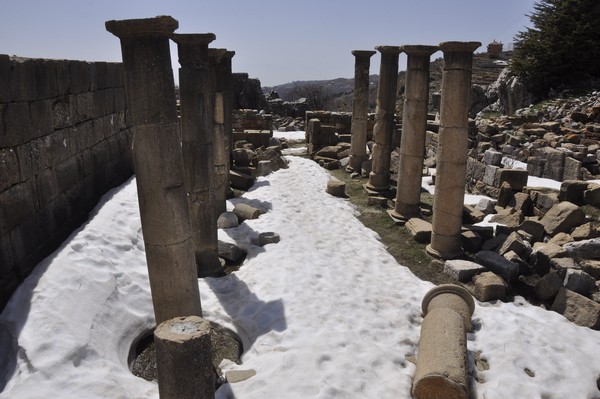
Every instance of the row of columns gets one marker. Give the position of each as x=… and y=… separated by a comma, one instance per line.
x=453, y=134
x=182, y=174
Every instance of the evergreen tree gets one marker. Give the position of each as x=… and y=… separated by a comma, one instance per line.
x=562, y=48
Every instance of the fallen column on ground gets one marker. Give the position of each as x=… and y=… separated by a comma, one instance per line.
x=442, y=359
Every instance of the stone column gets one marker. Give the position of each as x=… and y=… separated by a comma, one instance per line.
x=184, y=359
x=158, y=164
x=442, y=358
x=221, y=157
x=384, y=120
x=360, y=109
x=414, y=124
x=197, y=145
x=225, y=66
x=452, y=150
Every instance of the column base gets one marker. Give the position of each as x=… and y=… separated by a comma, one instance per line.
x=445, y=255
x=213, y=268
x=398, y=219
x=355, y=163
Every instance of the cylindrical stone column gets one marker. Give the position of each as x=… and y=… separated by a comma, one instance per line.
x=452, y=150
x=384, y=120
x=442, y=359
x=225, y=66
x=184, y=359
x=414, y=124
x=360, y=109
x=221, y=157
x=197, y=145
x=158, y=164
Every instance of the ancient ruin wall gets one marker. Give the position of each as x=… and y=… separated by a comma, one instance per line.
x=64, y=141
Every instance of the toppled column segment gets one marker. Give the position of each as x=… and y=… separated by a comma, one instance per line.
x=442, y=359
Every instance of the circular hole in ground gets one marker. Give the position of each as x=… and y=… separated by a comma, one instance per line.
x=225, y=345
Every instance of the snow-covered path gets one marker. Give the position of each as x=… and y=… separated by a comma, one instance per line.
x=326, y=312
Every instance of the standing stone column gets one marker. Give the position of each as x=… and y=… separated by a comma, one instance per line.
x=221, y=157
x=384, y=120
x=197, y=146
x=452, y=150
x=360, y=109
x=225, y=66
x=414, y=124
x=158, y=164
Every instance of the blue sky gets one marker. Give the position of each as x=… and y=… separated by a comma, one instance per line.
x=277, y=41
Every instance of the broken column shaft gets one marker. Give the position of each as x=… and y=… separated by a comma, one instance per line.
x=452, y=150
x=158, y=164
x=414, y=124
x=360, y=109
x=442, y=358
x=197, y=145
x=384, y=119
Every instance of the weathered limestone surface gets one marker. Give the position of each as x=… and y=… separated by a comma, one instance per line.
x=414, y=123
x=197, y=147
x=384, y=119
x=577, y=308
x=184, y=358
x=158, y=163
x=452, y=150
x=360, y=109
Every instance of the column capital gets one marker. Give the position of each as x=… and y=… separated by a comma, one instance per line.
x=418, y=49
x=363, y=53
x=217, y=53
x=228, y=55
x=459, y=47
x=163, y=25
x=193, y=38
x=391, y=50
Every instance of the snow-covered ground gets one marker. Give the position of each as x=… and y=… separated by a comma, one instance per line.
x=325, y=313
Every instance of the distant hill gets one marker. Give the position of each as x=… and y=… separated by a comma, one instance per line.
x=337, y=93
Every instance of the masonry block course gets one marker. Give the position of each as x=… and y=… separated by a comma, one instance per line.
x=65, y=140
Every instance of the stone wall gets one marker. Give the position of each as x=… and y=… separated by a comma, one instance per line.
x=64, y=141
x=247, y=92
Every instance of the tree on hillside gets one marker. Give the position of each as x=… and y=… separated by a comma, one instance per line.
x=563, y=46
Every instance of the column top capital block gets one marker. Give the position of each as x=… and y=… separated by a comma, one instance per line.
x=193, y=38
x=418, y=49
x=162, y=25
x=217, y=53
x=459, y=47
x=363, y=53
x=392, y=50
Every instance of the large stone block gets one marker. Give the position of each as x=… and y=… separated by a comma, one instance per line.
x=9, y=168
x=585, y=249
x=572, y=169
x=489, y=287
x=572, y=191
x=419, y=229
x=462, y=270
x=497, y=264
x=41, y=119
x=547, y=287
x=490, y=175
x=5, y=79
x=562, y=217
x=17, y=128
x=577, y=308
x=555, y=165
x=579, y=282
x=18, y=204
x=79, y=76
x=591, y=196
x=517, y=178
x=492, y=157
x=23, y=79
